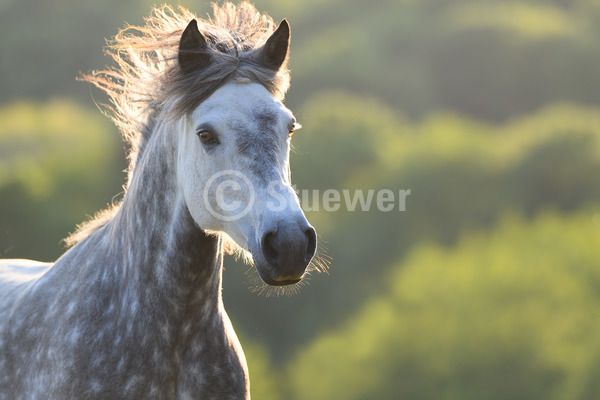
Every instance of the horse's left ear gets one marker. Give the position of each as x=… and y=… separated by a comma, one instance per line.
x=193, y=51
x=274, y=54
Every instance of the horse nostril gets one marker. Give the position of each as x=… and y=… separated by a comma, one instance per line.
x=269, y=248
x=311, y=243
x=289, y=251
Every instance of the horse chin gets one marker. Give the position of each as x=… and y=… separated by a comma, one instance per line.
x=276, y=281
x=286, y=282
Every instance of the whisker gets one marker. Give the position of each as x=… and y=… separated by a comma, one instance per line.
x=321, y=261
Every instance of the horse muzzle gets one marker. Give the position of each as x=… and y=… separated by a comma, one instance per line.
x=286, y=249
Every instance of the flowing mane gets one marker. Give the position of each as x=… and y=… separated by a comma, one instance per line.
x=147, y=79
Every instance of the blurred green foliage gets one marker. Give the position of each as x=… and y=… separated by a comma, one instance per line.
x=491, y=59
x=486, y=110
x=58, y=163
x=510, y=314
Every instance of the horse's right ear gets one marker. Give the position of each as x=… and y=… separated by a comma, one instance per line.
x=193, y=50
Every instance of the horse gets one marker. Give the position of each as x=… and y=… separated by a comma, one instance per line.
x=133, y=309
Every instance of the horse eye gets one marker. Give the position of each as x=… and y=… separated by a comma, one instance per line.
x=293, y=127
x=207, y=137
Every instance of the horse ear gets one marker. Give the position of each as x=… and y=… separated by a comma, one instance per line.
x=193, y=50
x=275, y=51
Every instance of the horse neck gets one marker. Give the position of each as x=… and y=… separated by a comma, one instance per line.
x=163, y=253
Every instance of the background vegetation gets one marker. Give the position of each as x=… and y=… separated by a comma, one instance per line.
x=487, y=286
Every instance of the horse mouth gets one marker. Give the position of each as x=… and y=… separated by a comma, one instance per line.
x=286, y=282
x=278, y=280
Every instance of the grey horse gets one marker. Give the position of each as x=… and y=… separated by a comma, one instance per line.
x=133, y=310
